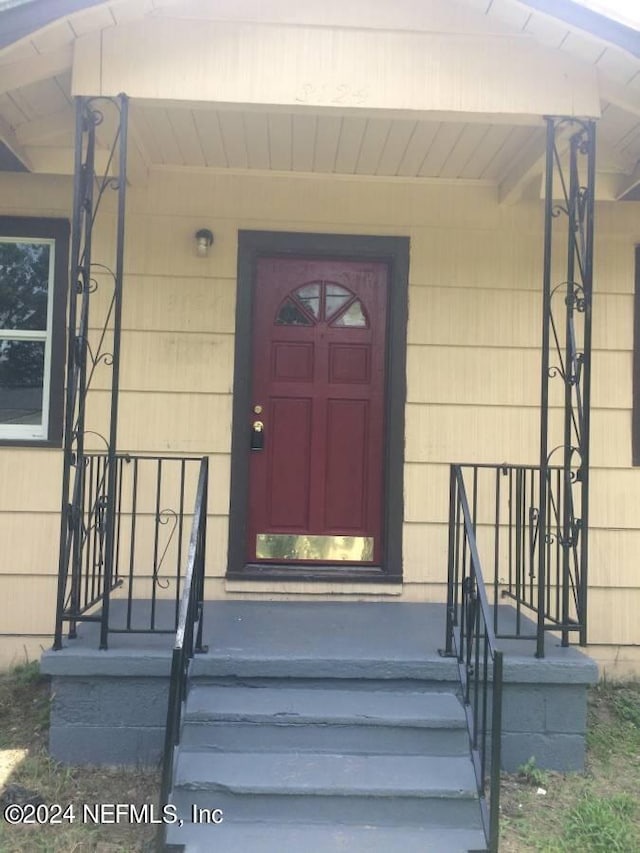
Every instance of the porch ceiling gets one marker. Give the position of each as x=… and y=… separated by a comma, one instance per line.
x=330, y=144
x=36, y=115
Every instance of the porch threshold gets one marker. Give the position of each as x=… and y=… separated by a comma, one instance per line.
x=110, y=706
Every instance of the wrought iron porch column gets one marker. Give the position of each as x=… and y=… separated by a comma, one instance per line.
x=83, y=584
x=566, y=356
x=121, y=142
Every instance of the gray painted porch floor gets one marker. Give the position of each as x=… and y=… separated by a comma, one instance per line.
x=301, y=635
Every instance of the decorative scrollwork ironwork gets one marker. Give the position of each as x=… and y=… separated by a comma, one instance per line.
x=567, y=342
x=164, y=517
x=555, y=371
x=100, y=123
x=97, y=435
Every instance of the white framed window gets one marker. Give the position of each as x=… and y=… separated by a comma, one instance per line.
x=33, y=271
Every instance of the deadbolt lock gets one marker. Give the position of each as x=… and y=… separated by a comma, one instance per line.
x=257, y=435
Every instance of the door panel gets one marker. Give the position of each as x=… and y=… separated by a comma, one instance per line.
x=292, y=362
x=289, y=443
x=349, y=363
x=318, y=385
x=346, y=465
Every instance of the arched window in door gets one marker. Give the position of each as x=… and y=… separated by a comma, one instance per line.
x=322, y=302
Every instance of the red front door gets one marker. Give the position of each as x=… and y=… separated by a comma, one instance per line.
x=317, y=419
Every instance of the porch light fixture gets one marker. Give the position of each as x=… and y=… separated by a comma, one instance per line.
x=204, y=241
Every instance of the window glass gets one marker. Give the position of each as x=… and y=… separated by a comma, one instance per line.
x=291, y=314
x=309, y=295
x=324, y=301
x=26, y=284
x=353, y=316
x=21, y=382
x=337, y=297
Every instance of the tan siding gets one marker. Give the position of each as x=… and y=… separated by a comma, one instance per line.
x=426, y=493
x=175, y=362
x=617, y=662
x=481, y=434
x=153, y=422
x=27, y=604
x=425, y=549
x=30, y=480
x=271, y=201
x=28, y=542
x=480, y=317
x=615, y=498
x=473, y=364
x=613, y=615
x=165, y=303
x=613, y=556
x=496, y=375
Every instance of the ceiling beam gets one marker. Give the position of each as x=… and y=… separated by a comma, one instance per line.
x=61, y=161
x=609, y=159
x=628, y=183
x=36, y=68
x=619, y=96
x=43, y=129
x=529, y=164
x=7, y=135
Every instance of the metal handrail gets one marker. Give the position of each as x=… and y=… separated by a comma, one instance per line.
x=523, y=516
x=188, y=636
x=471, y=638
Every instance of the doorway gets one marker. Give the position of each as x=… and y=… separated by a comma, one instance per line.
x=319, y=397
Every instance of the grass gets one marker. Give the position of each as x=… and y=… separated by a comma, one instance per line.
x=594, y=812
x=24, y=725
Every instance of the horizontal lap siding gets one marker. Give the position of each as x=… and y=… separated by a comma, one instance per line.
x=472, y=363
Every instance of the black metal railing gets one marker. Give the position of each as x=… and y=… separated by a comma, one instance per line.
x=470, y=636
x=188, y=637
x=93, y=345
x=140, y=590
x=505, y=505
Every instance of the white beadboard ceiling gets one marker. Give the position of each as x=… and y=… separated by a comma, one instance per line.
x=349, y=145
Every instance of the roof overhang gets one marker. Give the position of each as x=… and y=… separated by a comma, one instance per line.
x=198, y=90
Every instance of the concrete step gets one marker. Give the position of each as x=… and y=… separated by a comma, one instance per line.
x=363, y=681
x=330, y=720
x=405, y=790
x=314, y=838
x=286, y=662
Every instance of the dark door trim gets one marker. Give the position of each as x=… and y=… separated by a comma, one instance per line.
x=395, y=252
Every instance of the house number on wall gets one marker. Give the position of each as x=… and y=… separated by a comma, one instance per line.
x=343, y=93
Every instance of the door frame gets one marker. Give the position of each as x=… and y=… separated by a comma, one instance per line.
x=395, y=252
